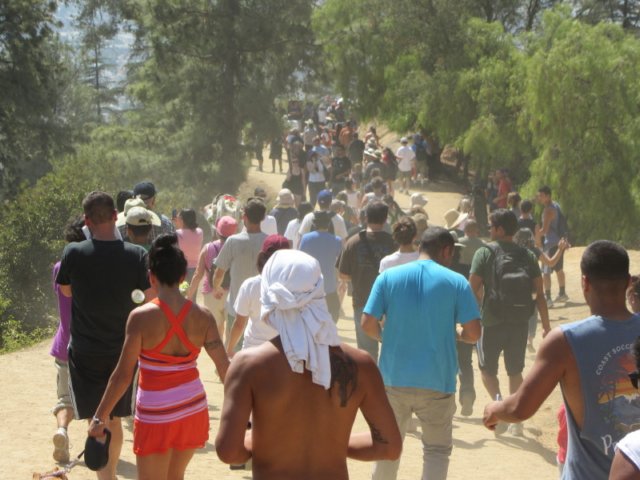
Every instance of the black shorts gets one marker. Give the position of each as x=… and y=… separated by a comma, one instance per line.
x=88, y=378
x=510, y=338
x=558, y=266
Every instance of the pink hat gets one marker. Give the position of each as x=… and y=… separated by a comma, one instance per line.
x=226, y=226
x=273, y=243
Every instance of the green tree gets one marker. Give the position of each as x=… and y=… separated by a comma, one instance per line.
x=99, y=21
x=582, y=110
x=623, y=12
x=32, y=70
x=206, y=70
x=447, y=68
x=32, y=224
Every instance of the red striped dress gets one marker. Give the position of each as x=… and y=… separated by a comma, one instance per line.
x=171, y=404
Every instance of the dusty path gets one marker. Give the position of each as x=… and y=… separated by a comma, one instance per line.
x=28, y=380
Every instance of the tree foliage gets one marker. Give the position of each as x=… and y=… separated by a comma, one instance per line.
x=513, y=84
x=99, y=21
x=583, y=113
x=33, y=124
x=31, y=227
x=205, y=71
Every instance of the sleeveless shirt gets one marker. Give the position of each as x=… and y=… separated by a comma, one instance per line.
x=602, y=349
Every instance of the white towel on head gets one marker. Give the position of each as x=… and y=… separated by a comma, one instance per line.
x=292, y=296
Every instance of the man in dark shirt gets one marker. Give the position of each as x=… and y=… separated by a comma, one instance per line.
x=375, y=163
x=340, y=170
x=360, y=263
x=100, y=275
x=356, y=149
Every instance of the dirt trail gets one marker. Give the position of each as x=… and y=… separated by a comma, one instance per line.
x=28, y=380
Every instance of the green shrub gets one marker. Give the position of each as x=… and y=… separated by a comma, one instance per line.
x=31, y=231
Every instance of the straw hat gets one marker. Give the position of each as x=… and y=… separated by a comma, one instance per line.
x=453, y=218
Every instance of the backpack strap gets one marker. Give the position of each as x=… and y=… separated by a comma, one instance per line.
x=363, y=237
x=494, y=248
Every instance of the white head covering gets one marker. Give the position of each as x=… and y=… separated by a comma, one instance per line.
x=293, y=303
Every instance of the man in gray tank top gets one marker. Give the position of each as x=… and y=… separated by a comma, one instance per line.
x=591, y=359
x=552, y=231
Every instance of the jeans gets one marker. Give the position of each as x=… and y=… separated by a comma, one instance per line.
x=314, y=189
x=465, y=374
x=364, y=341
x=435, y=411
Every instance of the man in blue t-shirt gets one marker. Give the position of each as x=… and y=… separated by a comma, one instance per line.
x=325, y=247
x=423, y=302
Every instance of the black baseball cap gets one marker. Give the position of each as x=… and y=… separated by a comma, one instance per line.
x=145, y=190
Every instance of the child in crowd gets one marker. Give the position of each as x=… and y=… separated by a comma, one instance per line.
x=63, y=410
x=190, y=238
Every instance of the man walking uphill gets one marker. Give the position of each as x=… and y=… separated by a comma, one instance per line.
x=554, y=228
x=238, y=255
x=504, y=276
x=427, y=307
x=100, y=274
x=303, y=388
x=360, y=263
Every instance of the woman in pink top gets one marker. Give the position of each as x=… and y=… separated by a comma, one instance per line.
x=225, y=227
x=189, y=238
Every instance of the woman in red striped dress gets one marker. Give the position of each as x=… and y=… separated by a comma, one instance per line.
x=164, y=337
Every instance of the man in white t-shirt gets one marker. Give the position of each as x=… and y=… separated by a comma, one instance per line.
x=324, y=203
x=293, y=227
x=406, y=159
x=247, y=304
x=404, y=233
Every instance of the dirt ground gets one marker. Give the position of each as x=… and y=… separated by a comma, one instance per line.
x=28, y=380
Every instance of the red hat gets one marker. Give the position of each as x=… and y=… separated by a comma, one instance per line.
x=226, y=226
x=273, y=243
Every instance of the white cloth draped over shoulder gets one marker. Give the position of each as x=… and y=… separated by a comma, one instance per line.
x=293, y=303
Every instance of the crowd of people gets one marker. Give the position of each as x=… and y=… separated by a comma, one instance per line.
x=425, y=293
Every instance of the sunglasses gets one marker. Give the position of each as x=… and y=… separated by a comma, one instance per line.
x=633, y=378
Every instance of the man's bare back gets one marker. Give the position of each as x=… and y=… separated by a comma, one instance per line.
x=299, y=429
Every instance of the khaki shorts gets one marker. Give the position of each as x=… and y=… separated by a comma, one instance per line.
x=62, y=387
x=217, y=306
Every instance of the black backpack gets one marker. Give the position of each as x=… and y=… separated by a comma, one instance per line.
x=510, y=296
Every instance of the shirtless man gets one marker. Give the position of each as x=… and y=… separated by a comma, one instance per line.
x=301, y=421
x=590, y=359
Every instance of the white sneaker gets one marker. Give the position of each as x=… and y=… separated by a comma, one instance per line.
x=414, y=423
x=501, y=428
x=61, y=445
x=516, y=429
